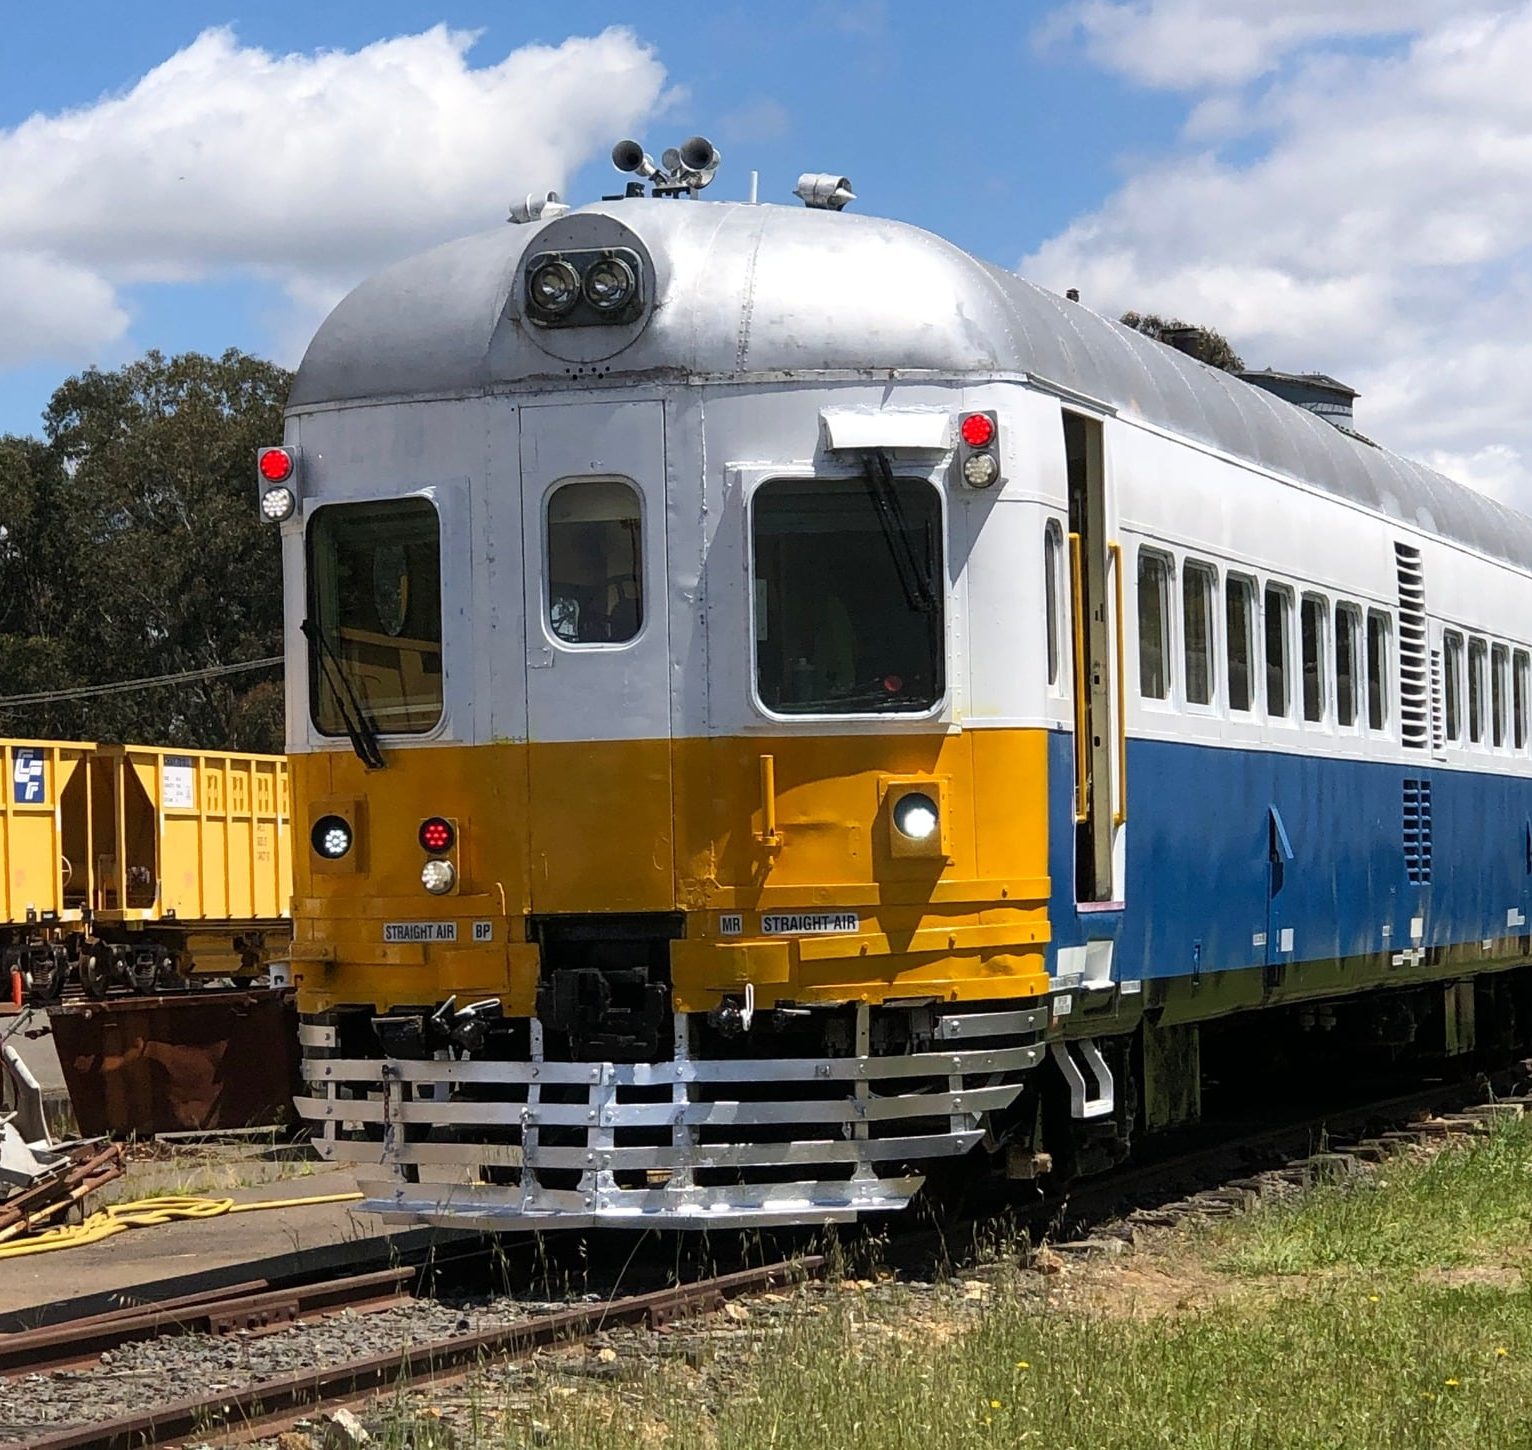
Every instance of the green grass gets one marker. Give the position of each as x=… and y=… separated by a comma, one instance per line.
x=1354, y=1318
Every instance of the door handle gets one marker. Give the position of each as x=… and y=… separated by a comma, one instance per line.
x=1120, y=815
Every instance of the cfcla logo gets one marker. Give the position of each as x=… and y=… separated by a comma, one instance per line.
x=28, y=777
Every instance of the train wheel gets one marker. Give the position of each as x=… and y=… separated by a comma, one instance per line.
x=96, y=971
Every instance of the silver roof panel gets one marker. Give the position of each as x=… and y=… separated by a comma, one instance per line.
x=753, y=289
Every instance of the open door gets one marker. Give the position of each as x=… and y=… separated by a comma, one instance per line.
x=597, y=657
x=1095, y=586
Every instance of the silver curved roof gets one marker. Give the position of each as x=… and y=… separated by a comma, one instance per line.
x=751, y=289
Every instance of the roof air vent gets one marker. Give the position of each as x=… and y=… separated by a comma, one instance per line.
x=1318, y=392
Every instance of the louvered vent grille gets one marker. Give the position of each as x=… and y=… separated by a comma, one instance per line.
x=1438, y=725
x=1414, y=682
x=1417, y=831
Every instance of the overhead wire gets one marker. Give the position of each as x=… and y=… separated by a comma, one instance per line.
x=84, y=692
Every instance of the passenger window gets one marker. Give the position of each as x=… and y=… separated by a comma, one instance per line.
x=1452, y=683
x=1477, y=652
x=1239, y=629
x=1278, y=650
x=1053, y=550
x=849, y=596
x=1348, y=634
x=1500, y=669
x=1377, y=670
x=1198, y=589
x=1153, y=626
x=1522, y=678
x=1315, y=616
x=595, y=563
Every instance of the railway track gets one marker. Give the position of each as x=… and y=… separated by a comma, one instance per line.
x=1203, y=1181
x=269, y=1405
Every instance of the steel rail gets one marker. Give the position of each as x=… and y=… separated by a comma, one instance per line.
x=247, y=1308
x=274, y=1401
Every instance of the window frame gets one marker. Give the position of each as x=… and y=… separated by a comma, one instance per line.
x=1283, y=594
x=935, y=481
x=1254, y=644
x=1454, y=651
x=1478, y=691
x=446, y=645
x=1167, y=563
x=1322, y=664
x=1384, y=693
x=1499, y=694
x=1056, y=652
x=1208, y=572
x=596, y=646
x=1521, y=698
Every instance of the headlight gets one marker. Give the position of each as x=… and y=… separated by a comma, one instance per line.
x=609, y=284
x=980, y=470
x=438, y=877
x=277, y=504
x=915, y=816
x=554, y=288
x=331, y=837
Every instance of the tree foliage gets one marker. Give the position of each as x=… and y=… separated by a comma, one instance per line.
x=1202, y=343
x=130, y=548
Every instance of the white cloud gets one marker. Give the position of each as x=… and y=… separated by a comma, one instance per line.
x=54, y=311
x=311, y=169
x=1188, y=44
x=1381, y=232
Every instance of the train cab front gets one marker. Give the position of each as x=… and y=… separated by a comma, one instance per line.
x=660, y=869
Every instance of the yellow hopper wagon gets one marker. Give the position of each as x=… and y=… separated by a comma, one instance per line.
x=140, y=866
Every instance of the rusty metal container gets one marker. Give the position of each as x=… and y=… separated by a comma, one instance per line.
x=184, y=1062
x=44, y=845
x=188, y=835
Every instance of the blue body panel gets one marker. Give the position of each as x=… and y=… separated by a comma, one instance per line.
x=1202, y=889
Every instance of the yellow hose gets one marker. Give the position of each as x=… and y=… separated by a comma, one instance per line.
x=145, y=1212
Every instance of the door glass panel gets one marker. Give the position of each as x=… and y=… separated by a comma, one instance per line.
x=595, y=563
x=1052, y=555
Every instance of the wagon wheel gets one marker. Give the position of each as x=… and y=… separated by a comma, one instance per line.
x=96, y=970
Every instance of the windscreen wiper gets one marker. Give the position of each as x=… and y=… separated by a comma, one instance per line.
x=360, y=730
x=885, y=503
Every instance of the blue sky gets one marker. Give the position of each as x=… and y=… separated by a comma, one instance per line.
x=1181, y=155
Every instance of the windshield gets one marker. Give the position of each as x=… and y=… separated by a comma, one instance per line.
x=848, y=595
x=375, y=607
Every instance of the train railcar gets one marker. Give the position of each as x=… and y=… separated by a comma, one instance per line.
x=136, y=867
x=778, y=705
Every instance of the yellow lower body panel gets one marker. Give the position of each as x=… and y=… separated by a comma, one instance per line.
x=740, y=837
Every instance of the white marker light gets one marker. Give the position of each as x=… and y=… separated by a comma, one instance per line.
x=915, y=817
x=980, y=470
x=331, y=837
x=277, y=504
x=438, y=877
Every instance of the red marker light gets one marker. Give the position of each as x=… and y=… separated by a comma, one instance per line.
x=977, y=429
x=436, y=835
x=276, y=465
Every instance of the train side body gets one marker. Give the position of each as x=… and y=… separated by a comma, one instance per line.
x=672, y=625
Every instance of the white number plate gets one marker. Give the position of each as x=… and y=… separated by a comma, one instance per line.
x=396, y=932
x=809, y=923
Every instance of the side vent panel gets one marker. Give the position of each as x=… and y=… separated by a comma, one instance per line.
x=1414, y=673
x=1417, y=831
